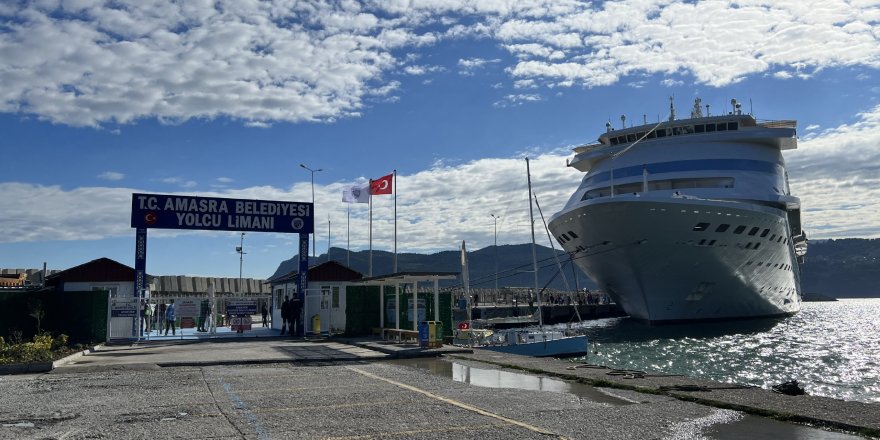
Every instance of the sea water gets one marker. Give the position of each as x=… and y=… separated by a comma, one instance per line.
x=831, y=348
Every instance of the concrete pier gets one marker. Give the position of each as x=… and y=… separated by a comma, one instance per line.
x=343, y=389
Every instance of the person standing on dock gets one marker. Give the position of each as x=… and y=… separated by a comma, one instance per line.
x=285, y=315
x=170, y=317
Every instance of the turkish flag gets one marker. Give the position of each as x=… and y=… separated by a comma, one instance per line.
x=382, y=185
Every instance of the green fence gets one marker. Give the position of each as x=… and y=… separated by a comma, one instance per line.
x=361, y=310
x=82, y=316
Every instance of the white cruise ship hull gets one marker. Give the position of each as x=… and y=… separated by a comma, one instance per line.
x=663, y=260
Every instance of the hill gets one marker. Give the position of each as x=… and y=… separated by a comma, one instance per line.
x=846, y=268
x=514, y=265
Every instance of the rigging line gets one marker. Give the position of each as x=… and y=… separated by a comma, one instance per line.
x=574, y=256
x=550, y=239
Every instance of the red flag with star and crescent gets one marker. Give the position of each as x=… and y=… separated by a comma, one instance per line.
x=382, y=185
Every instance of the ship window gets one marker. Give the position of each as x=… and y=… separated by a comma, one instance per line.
x=712, y=243
x=772, y=237
x=779, y=240
x=565, y=237
x=749, y=263
x=739, y=229
x=733, y=126
x=621, y=139
x=630, y=138
x=721, y=127
x=652, y=134
x=710, y=127
x=701, y=226
x=700, y=128
x=764, y=234
x=757, y=245
x=702, y=242
x=613, y=141
x=640, y=135
x=676, y=131
x=661, y=133
x=572, y=234
x=754, y=230
x=749, y=245
x=687, y=129
x=722, y=228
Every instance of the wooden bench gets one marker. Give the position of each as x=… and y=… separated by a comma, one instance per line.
x=400, y=335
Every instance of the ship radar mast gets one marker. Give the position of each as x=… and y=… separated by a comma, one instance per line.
x=697, y=112
x=737, y=107
x=671, y=108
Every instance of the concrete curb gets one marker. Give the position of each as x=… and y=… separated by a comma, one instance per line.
x=75, y=356
x=42, y=367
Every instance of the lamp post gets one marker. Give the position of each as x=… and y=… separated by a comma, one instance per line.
x=241, y=252
x=314, y=254
x=495, y=219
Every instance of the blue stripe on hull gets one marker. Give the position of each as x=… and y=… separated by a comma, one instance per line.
x=558, y=347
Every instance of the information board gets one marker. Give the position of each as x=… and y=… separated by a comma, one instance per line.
x=241, y=307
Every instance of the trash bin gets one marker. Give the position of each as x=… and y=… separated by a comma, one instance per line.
x=316, y=324
x=424, y=334
x=435, y=333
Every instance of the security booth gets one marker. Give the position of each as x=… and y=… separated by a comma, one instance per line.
x=409, y=298
x=325, y=306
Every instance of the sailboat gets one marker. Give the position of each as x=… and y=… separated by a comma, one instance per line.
x=528, y=341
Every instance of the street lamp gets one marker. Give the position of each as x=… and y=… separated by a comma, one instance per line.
x=314, y=254
x=495, y=219
x=241, y=252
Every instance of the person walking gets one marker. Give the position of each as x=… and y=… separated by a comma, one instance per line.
x=285, y=315
x=160, y=318
x=170, y=317
x=295, y=315
x=148, y=317
x=265, y=312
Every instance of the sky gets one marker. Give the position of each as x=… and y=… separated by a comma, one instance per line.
x=99, y=100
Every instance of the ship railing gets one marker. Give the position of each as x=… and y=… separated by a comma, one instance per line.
x=788, y=123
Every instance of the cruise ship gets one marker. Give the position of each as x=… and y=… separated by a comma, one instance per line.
x=689, y=219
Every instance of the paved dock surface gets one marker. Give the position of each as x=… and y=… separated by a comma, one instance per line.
x=331, y=389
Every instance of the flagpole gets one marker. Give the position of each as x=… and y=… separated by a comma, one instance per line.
x=370, y=271
x=348, y=239
x=394, y=173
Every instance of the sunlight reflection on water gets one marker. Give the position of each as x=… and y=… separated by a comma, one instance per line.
x=831, y=348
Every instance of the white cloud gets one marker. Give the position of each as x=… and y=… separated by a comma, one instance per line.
x=835, y=174
x=468, y=66
x=86, y=64
x=422, y=70
x=179, y=181
x=111, y=175
x=512, y=100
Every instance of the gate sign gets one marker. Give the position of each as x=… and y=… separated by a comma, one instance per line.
x=168, y=211
x=241, y=307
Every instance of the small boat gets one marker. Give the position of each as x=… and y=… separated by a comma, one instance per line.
x=528, y=341
x=537, y=342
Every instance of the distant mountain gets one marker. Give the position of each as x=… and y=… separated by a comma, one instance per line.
x=514, y=265
x=847, y=268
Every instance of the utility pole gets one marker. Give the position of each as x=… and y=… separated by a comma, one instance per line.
x=495, y=218
x=313, y=203
x=241, y=252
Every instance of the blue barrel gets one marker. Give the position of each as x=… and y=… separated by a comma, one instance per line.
x=423, y=334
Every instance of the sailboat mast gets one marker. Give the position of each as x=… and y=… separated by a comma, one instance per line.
x=534, y=250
